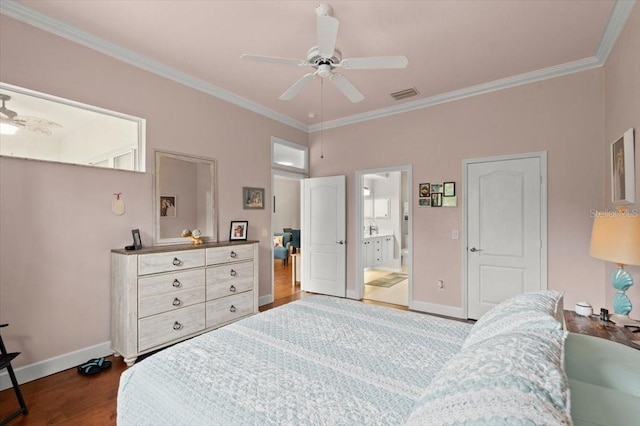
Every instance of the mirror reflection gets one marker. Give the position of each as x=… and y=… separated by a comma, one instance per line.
x=184, y=197
x=38, y=126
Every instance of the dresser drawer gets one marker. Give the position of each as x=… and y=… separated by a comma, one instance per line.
x=230, y=308
x=152, y=305
x=162, y=328
x=217, y=255
x=226, y=280
x=170, y=261
x=155, y=285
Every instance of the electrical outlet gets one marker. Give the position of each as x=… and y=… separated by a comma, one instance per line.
x=455, y=234
x=440, y=285
x=264, y=232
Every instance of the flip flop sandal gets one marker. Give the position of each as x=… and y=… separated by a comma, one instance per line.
x=93, y=366
x=89, y=369
x=102, y=363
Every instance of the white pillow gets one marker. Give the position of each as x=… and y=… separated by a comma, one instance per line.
x=524, y=311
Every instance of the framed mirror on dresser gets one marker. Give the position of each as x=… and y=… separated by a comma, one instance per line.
x=184, y=197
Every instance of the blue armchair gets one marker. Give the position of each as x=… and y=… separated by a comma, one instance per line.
x=281, y=251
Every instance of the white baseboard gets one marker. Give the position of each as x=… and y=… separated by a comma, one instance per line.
x=433, y=308
x=265, y=300
x=56, y=364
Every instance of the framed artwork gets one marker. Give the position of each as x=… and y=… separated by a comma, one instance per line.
x=449, y=189
x=137, y=241
x=623, y=188
x=449, y=201
x=167, y=206
x=436, y=199
x=253, y=198
x=238, y=230
x=436, y=188
x=424, y=202
x=424, y=190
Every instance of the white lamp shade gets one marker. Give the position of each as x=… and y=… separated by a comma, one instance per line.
x=616, y=238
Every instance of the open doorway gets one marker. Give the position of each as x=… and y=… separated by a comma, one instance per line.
x=289, y=163
x=384, y=267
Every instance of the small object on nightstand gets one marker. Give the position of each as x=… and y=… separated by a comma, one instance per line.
x=604, y=314
x=584, y=309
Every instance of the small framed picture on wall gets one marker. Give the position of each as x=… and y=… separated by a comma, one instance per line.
x=424, y=190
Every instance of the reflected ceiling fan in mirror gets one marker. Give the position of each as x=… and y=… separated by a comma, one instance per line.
x=325, y=58
x=11, y=122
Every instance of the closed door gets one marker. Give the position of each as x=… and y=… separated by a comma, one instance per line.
x=323, y=236
x=505, y=221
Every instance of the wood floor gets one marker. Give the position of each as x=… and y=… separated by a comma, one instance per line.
x=67, y=398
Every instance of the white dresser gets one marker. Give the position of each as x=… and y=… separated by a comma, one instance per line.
x=162, y=295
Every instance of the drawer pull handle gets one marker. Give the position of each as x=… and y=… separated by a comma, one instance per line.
x=177, y=325
x=177, y=302
x=233, y=254
x=176, y=283
x=232, y=309
x=232, y=289
x=177, y=262
x=233, y=273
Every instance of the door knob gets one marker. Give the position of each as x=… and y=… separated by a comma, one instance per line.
x=473, y=250
x=340, y=242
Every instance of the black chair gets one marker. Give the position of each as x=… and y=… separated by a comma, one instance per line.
x=295, y=240
x=5, y=362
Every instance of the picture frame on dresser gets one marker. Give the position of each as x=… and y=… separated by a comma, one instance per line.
x=137, y=241
x=238, y=230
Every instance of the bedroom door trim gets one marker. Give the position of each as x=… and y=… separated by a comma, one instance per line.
x=542, y=156
x=358, y=292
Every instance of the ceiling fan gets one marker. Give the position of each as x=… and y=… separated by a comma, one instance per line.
x=10, y=121
x=324, y=58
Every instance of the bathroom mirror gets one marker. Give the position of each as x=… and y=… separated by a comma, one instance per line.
x=184, y=197
x=382, y=208
x=39, y=126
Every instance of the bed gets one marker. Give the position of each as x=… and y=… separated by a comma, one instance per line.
x=331, y=361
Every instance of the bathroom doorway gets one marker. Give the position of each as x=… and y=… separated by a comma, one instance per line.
x=384, y=231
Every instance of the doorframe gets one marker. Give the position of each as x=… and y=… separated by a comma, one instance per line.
x=358, y=293
x=542, y=156
x=299, y=177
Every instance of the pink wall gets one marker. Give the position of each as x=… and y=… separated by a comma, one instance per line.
x=563, y=116
x=622, y=112
x=56, y=225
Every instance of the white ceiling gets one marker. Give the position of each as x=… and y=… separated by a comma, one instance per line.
x=455, y=48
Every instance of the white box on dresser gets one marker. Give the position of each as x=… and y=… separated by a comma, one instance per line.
x=162, y=295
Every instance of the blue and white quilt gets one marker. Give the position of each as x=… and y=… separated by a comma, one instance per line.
x=316, y=361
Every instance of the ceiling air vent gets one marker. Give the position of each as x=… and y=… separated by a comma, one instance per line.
x=403, y=94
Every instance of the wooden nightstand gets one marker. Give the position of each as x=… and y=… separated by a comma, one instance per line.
x=592, y=326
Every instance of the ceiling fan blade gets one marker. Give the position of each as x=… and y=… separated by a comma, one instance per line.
x=327, y=34
x=374, y=62
x=276, y=60
x=297, y=86
x=349, y=90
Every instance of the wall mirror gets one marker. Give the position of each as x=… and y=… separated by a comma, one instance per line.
x=184, y=197
x=38, y=126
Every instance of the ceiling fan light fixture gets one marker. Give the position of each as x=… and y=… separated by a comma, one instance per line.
x=7, y=128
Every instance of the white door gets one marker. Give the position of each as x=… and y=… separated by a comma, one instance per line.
x=505, y=212
x=323, y=235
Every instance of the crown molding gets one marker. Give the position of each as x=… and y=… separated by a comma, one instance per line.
x=617, y=20
x=37, y=19
x=492, y=86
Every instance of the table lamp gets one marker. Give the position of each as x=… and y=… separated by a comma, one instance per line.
x=616, y=238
